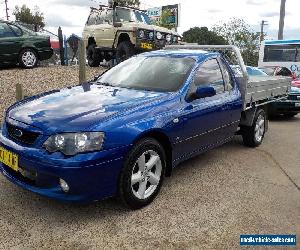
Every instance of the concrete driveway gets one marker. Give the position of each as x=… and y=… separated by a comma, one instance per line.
x=207, y=203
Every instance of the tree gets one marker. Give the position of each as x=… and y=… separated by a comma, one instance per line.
x=128, y=3
x=237, y=32
x=203, y=36
x=25, y=15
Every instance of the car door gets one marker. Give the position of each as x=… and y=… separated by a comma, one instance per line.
x=232, y=97
x=108, y=31
x=104, y=29
x=10, y=43
x=205, y=118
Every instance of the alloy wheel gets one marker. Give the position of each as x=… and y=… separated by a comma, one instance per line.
x=146, y=174
x=29, y=58
x=259, y=128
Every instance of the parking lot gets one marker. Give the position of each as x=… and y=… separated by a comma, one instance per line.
x=207, y=203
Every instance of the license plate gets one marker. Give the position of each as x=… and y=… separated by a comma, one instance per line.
x=9, y=159
x=146, y=46
x=297, y=104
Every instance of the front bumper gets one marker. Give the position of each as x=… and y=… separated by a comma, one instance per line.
x=90, y=176
x=289, y=105
x=153, y=44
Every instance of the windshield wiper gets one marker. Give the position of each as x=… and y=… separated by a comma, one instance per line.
x=105, y=84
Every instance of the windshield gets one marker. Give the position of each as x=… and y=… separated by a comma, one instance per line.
x=142, y=17
x=127, y=15
x=163, y=74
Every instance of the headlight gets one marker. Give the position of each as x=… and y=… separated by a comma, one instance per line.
x=158, y=35
x=168, y=38
x=141, y=34
x=74, y=143
x=151, y=35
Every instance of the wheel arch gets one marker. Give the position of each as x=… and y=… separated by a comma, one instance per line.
x=165, y=142
x=121, y=37
x=91, y=40
x=30, y=47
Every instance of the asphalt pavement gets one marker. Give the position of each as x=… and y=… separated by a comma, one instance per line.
x=207, y=203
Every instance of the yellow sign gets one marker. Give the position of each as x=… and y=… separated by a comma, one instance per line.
x=146, y=46
x=9, y=159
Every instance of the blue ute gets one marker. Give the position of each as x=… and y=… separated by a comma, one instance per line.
x=124, y=132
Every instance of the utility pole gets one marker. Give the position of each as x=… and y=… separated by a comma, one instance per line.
x=281, y=20
x=263, y=23
x=6, y=10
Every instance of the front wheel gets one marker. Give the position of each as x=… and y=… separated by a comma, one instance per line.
x=143, y=174
x=28, y=58
x=125, y=50
x=254, y=135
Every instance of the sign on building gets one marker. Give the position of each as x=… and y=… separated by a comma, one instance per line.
x=171, y=13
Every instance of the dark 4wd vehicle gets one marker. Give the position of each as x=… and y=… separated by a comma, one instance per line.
x=19, y=45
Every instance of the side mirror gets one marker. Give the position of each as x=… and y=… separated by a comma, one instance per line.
x=118, y=24
x=205, y=91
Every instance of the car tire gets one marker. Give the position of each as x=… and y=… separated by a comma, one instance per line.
x=254, y=135
x=125, y=50
x=143, y=174
x=28, y=58
x=93, y=57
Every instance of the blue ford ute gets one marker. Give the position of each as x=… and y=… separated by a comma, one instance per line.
x=122, y=133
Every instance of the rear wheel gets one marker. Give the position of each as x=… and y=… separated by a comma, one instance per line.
x=143, y=174
x=254, y=135
x=28, y=58
x=93, y=57
x=125, y=50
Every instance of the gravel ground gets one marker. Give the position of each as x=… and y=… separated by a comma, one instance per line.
x=207, y=203
x=37, y=80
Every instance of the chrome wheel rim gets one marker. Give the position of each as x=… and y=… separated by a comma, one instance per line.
x=259, y=128
x=29, y=59
x=146, y=174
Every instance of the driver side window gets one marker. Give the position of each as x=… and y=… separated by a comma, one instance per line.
x=209, y=74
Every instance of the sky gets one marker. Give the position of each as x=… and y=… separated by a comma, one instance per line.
x=71, y=15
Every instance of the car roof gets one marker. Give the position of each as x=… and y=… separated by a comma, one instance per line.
x=182, y=53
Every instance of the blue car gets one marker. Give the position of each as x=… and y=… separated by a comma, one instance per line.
x=122, y=133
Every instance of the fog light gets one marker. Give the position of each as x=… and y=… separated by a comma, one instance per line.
x=64, y=185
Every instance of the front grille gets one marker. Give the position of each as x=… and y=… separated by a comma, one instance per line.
x=294, y=97
x=21, y=135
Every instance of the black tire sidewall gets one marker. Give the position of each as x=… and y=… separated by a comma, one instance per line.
x=93, y=61
x=260, y=112
x=248, y=133
x=125, y=191
x=126, y=48
x=21, y=61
